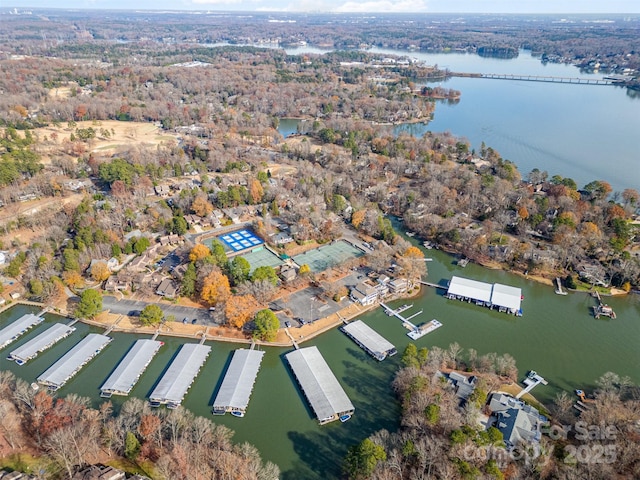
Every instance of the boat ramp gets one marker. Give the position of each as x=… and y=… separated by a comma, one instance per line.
x=40, y=343
x=322, y=389
x=11, y=332
x=238, y=382
x=369, y=340
x=130, y=368
x=72, y=361
x=184, y=368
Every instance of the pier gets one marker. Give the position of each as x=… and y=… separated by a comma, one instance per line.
x=397, y=313
x=40, y=343
x=182, y=371
x=559, y=290
x=130, y=368
x=72, y=361
x=602, y=308
x=540, y=78
x=238, y=382
x=532, y=381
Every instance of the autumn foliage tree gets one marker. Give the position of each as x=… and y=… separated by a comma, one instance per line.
x=201, y=206
x=198, y=252
x=100, y=271
x=240, y=309
x=215, y=288
x=412, y=263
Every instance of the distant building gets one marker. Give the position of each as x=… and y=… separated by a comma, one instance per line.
x=98, y=472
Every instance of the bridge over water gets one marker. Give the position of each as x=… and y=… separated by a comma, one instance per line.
x=539, y=78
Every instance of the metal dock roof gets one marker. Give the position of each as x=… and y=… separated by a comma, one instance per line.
x=506, y=296
x=131, y=367
x=9, y=333
x=71, y=362
x=327, y=398
x=180, y=375
x=238, y=382
x=465, y=287
x=40, y=343
x=369, y=339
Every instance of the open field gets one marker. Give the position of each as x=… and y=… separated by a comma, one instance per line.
x=122, y=135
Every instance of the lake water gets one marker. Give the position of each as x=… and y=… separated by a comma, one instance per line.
x=586, y=132
x=557, y=336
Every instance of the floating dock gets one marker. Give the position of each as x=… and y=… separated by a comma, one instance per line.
x=322, y=389
x=602, y=308
x=71, y=362
x=532, y=381
x=237, y=384
x=369, y=340
x=130, y=368
x=184, y=368
x=40, y=343
x=422, y=330
x=11, y=332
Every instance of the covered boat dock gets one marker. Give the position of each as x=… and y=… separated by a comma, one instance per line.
x=130, y=368
x=322, y=389
x=12, y=331
x=184, y=368
x=369, y=340
x=40, y=343
x=71, y=362
x=504, y=297
x=238, y=382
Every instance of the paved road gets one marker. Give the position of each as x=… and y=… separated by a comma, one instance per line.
x=134, y=307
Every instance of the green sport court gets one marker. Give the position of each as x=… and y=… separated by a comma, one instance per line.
x=327, y=256
x=261, y=257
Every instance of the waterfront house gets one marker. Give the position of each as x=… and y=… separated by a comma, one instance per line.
x=519, y=423
x=367, y=292
x=463, y=385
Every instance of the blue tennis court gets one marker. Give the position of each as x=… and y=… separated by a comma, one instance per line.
x=241, y=240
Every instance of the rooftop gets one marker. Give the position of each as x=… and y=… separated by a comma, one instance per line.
x=134, y=363
x=238, y=382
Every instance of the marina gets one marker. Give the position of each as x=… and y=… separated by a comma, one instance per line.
x=505, y=298
x=237, y=385
x=322, y=389
x=71, y=362
x=11, y=332
x=40, y=343
x=130, y=368
x=184, y=368
x=369, y=340
x=415, y=331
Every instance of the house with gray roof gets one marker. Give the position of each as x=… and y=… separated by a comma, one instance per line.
x=519, y=422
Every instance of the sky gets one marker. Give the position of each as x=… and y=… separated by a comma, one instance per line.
x=364, y=6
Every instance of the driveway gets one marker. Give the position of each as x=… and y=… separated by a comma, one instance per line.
x=134, y=307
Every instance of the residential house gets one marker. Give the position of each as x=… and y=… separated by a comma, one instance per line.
x=281, y=238
x=398, y=285
x=162, y=190
x=463, y=385
x=4, y=475
x=519, y=422
x=288, y=273
x=139, y=264
x=99, y=472
x=167, y=288
x=367, y=292
x=115, y=284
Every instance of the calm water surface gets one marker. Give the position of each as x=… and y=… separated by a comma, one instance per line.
x=557, y=336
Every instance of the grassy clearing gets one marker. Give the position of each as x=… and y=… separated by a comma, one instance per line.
x=24, y=462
